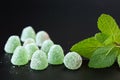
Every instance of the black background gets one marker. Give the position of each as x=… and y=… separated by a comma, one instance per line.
x=67, y=22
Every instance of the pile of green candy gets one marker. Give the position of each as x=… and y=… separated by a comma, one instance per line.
x=40, y=50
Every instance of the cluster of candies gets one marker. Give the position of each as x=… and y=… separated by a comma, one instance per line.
x=40, y=50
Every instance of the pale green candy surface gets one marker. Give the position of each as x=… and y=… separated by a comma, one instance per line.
x=41, y=36
x=55, y=55
x=47, y=45
x=28, y=32
x=20, y=56
x=12, y=43
x=72, y=60
x=39, y=60
x=31, y=48
x=28, y=41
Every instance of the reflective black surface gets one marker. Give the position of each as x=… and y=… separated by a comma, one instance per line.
x=67, y=22
x=10, y=72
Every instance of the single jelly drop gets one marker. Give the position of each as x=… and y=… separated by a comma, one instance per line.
x=55, y=55
x=72, y=60
x=39, y=60
x=28, y=32
x=19, y=56
x=12, y=43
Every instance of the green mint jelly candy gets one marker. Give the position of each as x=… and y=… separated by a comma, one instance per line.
x=27, y=32
x=12, y=43
x=19, y=56
x=28, y=41
x=41, y=36
x=72, y=60
x=47, y=45
x=55, y=55
x=31, y=48
x=39, y=60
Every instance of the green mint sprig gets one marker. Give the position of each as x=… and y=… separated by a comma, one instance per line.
x=104, y=47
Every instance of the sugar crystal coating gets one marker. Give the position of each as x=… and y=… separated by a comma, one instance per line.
x=31, y=48
x=72, y=60
x=39, y=60
x=11, y=44
x=28, y=32
x=47, y=44
x=28, y=41
x=41, y=36
x=19, y=56
x=55, y=55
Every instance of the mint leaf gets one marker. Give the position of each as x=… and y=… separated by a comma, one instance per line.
x=86, y=47
x=107, y=25
x=103, y=57
x=104, y=47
